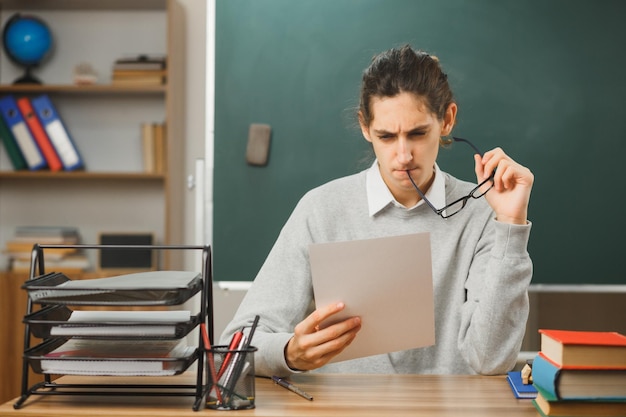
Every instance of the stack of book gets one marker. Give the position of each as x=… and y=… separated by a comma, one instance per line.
x=579, y=373
x=67, y=260
x=34, y=135
x=141, y=70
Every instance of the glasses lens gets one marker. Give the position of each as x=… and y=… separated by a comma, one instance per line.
x=482, y=188
x=454, y=208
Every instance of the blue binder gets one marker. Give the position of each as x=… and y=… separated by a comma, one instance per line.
x=25, y=140
x=57, y=132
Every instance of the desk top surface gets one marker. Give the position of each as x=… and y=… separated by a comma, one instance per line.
x=336, y=395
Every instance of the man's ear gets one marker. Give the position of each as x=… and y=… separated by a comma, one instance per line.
x=364, y=128
x=449, y=119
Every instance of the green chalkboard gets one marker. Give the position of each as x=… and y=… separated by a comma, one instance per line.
x=545, y=80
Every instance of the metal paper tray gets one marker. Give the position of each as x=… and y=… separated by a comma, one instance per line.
x=41, y=323
x=57, y=288
x=89, y=365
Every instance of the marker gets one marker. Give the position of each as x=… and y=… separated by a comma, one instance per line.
x=286, y=384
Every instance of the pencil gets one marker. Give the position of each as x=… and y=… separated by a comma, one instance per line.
x=207, y=347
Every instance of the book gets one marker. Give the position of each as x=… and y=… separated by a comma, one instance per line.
x=57, y=132
x=147, y=147
x=52, y=234
x=23, y=250
x=11, y=146
x=576, y=408
x=24, y=139
x=68, y=263
x=560, y=383
x=584, y=348
x=138, y=73
x=140, y=62
x=143, y=81
x=159, y=148
x=153, y=147
x=520, y=390
x=41, y=137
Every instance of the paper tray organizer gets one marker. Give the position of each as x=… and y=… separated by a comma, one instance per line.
x=55, y=292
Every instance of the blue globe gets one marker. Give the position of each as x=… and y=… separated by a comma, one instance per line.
x=27, y=41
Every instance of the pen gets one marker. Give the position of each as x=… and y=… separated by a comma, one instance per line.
x=286, y=384
x=234, y=344
x=238, y=363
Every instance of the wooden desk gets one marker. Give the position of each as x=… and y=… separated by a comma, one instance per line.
x=335, y=395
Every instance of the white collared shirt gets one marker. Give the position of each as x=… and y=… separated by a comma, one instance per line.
x=379, y=196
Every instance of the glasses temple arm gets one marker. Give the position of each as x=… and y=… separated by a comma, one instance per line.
x=476, y=150
x=422, y=196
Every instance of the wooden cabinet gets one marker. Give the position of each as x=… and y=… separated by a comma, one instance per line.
x=12, y=310
x=113, y=194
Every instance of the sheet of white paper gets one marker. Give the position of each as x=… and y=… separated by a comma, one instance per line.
x=387, y=282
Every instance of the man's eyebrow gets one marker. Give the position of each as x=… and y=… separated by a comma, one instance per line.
x=420, y=128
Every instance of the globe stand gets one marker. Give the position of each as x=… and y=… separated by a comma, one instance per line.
x=27, y=78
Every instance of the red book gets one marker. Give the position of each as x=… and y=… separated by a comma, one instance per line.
x=584, y=349
x=40, y=135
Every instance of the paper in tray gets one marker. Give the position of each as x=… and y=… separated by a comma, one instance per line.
x=59, y=320
x=142, y=288
x=110, y=357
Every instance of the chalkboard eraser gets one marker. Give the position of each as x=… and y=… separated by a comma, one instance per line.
x=258, y=147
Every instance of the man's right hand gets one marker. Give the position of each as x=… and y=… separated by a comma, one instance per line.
x=312, y=347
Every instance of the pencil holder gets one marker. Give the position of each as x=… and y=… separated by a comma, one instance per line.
x=231, y=381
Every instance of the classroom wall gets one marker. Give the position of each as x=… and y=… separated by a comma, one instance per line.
x=542, y=79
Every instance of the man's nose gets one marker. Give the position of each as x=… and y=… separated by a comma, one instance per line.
x=404, y=151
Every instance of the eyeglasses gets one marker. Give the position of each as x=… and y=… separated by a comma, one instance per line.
x=457, y=205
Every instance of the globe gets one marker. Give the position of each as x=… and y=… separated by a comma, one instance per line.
x=27, y=41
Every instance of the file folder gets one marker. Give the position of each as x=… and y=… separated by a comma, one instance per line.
x=25, y=140
x=38, y=132
x=13, y=150
x=57, y=132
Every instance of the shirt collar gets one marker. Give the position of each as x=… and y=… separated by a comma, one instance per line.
x=379, y=196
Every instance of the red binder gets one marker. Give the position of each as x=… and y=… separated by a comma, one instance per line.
x=38, y=132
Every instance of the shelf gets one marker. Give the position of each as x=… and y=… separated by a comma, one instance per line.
x=83, y=4
x=80, y=175
x=82, y=89
x=113, y=193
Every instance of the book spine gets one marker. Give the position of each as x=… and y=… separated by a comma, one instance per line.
x=57, y=132
x=23, y=137
x=545, y=378
x=159, y=148
x=10, y=144
x=147, y=146
x=38, y=132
